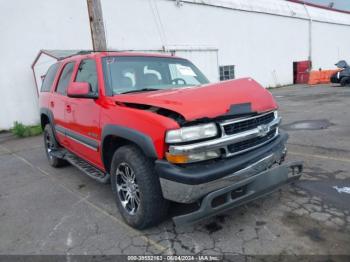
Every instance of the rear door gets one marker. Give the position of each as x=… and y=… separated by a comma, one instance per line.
x=57, y=103
x=82, y=116
x=47, y=85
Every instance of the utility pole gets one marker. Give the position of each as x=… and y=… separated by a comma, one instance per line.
x=98, y=35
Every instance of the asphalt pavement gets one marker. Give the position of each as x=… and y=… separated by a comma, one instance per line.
x=62, y=211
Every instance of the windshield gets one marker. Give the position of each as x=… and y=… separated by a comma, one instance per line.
x=127, y=74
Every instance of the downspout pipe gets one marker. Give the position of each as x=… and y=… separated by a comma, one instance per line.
x=310, y=34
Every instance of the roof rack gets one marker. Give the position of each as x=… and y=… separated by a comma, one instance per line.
x=85, y=52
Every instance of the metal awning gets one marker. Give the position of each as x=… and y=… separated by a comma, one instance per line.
x=53, y=53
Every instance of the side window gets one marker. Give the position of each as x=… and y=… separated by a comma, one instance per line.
x=49, y=77
x=64, y=78
x=87, y=73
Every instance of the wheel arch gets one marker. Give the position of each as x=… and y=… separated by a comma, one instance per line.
x=45, y=117
x=113, y=137
x=44, y=120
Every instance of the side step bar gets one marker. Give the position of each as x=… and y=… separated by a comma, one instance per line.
x=82, y=165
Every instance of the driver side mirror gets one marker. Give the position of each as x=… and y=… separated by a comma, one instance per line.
x=80, y=90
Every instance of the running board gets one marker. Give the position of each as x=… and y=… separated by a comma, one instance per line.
x=82, y=165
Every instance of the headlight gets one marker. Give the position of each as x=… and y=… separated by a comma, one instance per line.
x=191, y=133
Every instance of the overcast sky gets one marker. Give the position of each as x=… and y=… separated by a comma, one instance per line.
x=339, y=4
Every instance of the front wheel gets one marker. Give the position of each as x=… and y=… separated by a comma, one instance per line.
x=345, y=81
x=136, y=188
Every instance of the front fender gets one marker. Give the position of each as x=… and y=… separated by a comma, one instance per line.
x=143, y=141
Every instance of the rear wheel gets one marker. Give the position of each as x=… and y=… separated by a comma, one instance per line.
x=136, y=188
x=345, y=81
x=51, y=145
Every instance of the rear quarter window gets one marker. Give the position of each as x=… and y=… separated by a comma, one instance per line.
x=49, y=78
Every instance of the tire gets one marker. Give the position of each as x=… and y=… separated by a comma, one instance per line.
x=50, y=144
x=130, y=164
x=345, y=81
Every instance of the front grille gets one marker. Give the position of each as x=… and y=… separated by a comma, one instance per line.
x=250, y=143
x=244, y=125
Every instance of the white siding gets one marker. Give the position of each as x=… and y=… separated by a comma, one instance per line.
x=205, y=60
x=25, y=28
x=262, y=38
x=331, y=43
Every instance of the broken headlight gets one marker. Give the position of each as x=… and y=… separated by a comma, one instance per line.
x=191, y=133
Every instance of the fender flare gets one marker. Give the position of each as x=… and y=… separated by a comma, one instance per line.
x=143, y=141
x=47, y=112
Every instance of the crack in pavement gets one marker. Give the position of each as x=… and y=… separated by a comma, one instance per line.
x=84, y=200
x=236, y=232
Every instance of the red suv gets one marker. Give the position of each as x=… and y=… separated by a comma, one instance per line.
x=156, y=128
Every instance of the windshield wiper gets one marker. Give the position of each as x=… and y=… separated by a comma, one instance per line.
x=140, y=90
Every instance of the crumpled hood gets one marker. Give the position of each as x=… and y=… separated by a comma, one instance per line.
x=209, y=100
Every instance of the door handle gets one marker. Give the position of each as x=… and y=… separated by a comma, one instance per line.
x=52, y=104
x=68, y=108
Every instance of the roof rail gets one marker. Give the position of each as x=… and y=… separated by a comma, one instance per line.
x=85, y=52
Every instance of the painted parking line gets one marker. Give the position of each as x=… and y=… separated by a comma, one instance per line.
x=83, y=199
x=8, y=152
x=320, y=156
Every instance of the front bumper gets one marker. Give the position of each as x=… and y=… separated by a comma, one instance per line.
x=236, y=180
x=253, y=187
x=191, y=183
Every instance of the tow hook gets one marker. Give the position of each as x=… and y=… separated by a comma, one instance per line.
x=296, y=167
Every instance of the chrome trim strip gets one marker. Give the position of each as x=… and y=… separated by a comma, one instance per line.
x=82, y=143
x=77, y=137
x=59, y=131
x=224, y=141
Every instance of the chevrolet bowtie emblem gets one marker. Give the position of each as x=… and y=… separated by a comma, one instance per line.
x=263, y=130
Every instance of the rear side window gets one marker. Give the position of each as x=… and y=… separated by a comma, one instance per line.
x=87, y=73
x=65, y=78
x=49, y=78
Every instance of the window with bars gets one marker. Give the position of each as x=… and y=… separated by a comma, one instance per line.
x=227, y=72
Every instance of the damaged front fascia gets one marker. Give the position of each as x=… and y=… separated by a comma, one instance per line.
x=157, y=110
x=179, y=118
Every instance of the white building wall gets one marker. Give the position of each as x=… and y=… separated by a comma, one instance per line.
x=331, y=43
x=261, y=37
x=25, y=28
x=330, y=37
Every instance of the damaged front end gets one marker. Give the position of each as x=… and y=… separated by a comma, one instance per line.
x=227, y=149
x=242, y=192
x=157, y=110
x=246, y=161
